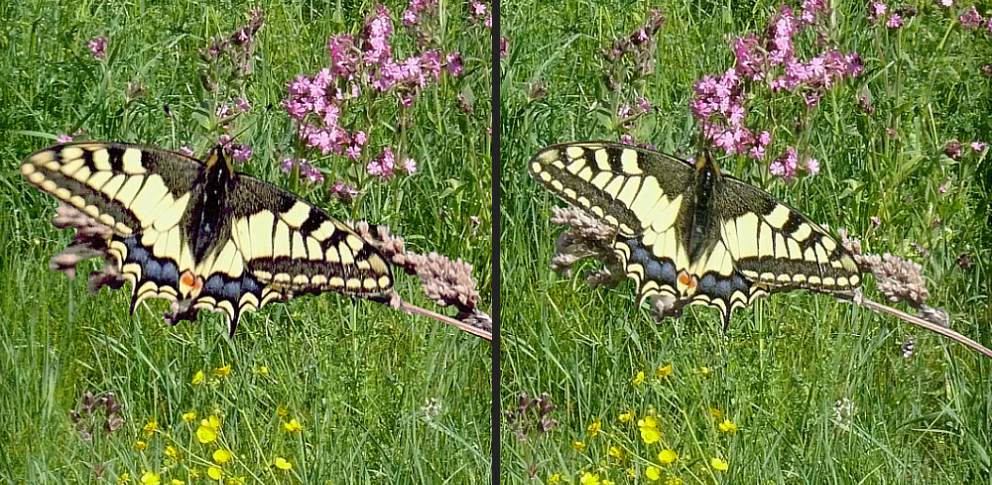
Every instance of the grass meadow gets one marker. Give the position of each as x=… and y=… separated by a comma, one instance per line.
x=803, y=388
x=318, y=390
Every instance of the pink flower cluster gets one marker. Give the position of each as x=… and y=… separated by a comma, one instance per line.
x=98, y=47
x=879, y=12
x=384, y=166
x=311, y=173
x=416, y=9
x=239, y=151
x=719, y=102
x=972, y=20
x=479, y=12
x=785, y=165
x=240, y=105
x=317, y=103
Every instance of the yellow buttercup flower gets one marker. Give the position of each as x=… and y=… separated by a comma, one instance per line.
x=616, y=453
x=149, y=428
x=652, y=473
x=555, y=478
x=716, y=413
x=631, y=473
x=215, y=472
x=172, y=452
x=221, y=456
x=639, y=378
x=223, y=371
x=208, y=430
x=594, y=428
x=198, y=377
x=607, y=481
x=124, y=477
x=667, y=456
x=663, y=372
x=588, y=478
x=281, y=411
x=150, y=478
x=705, y=371
x=728, y=426
x=263, y=371
x=719, y=464
x=176, y=481
x=579, y=446
x=283, y=464
x=235, y=481
x=673, y=480
x=140, y=445
x=292, y=426
x=627, y=416
x=189, y=417
x=649, y=430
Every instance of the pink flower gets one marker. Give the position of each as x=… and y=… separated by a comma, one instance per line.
x=241, y=152
x=785, y=165
x=895, y=21
x=453, y=63
x=812, y=166
x=343, y=190
x=287, y=165
x=970, y=19
x=410, y=166
x=382, y=166
x=876, y=11
x=186, y=150
x=978, y=146
x=623, y=111
x=360, y=138
x=643, y=104
x=242, y=105
x=63, y=138
x=98, y=47
x=626, y=139
x=223, y=111
x=504, y=47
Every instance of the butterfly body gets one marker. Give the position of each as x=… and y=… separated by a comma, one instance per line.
x=688, y=233
x=201, y=234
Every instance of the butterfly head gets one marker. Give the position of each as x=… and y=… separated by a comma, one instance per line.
x=217, y=159
x=706, y=163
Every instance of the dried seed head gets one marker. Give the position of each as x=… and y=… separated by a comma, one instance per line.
x=899, y=279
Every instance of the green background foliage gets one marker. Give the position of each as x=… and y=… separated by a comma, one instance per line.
x=357, y=375
x=785, y=364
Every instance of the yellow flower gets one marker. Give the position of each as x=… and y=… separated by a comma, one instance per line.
x=627, y=417
x=235, y=481
x=673, y=480
x=554, y=478
x=176, y=481
x=705, y=371
x=172, y=452
x=194, y=473
x=594, y=428
x=728, y=426
x=631, y=473
x=649, y=430
x=189, y=417
x=215, y=473
x=124, y=477
x=281, y=411
x=579, y=446
x=716, y=413
x=639, y=378
x=616, y=453
x=221, y=456
x=198, y=377
x=283, y=464
x=140, y=445
x=150, y=478
x=663, y=372
x=149, y=428
x=608, y=482
x=207, y=432
x=718, y=464
x=223, y=371
x=263, y=371
x=292, y=426
x=653, y=473
x=589, y=479
x=667, y=456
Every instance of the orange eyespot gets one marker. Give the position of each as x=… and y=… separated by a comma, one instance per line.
x=190, y=284
x=688, y=282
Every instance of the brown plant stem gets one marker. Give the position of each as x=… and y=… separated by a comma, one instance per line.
x=465, y=327
x=919, y=322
